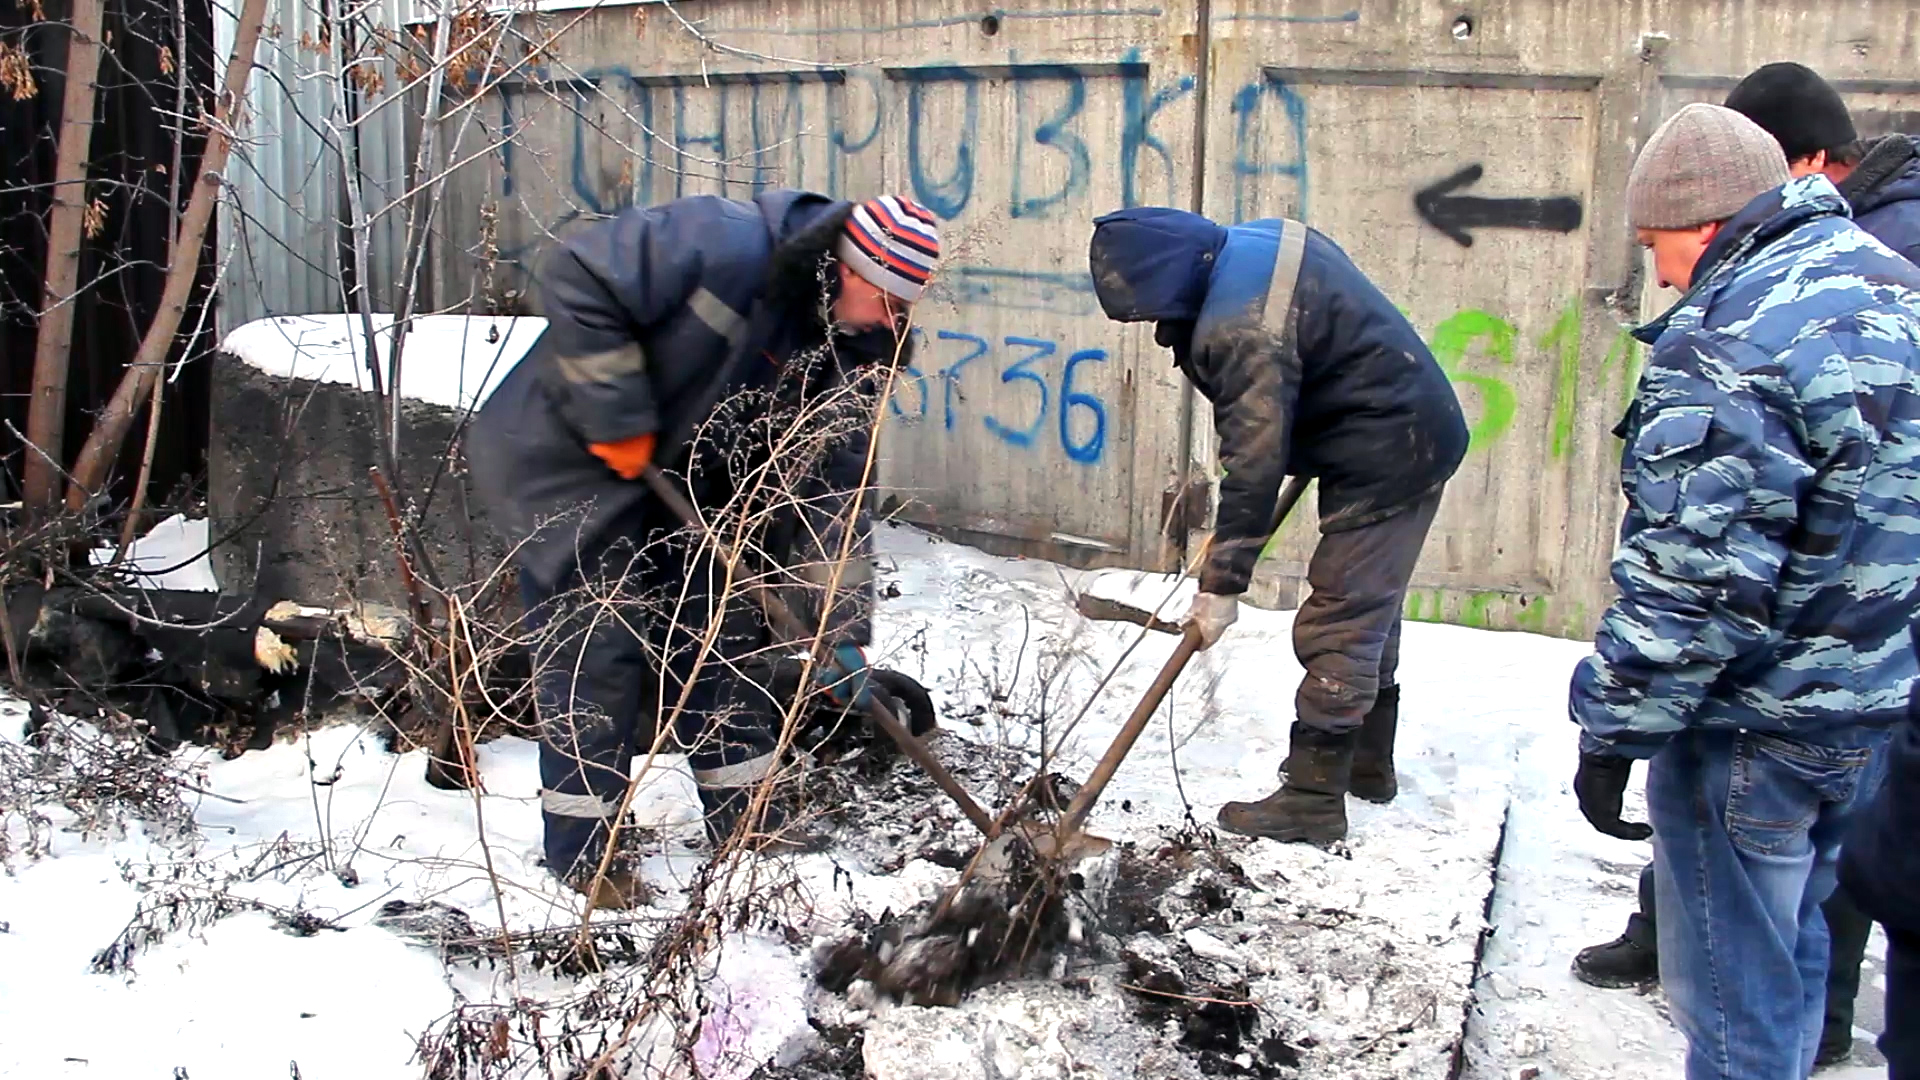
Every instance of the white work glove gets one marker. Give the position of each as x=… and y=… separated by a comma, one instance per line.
x=1211, y=614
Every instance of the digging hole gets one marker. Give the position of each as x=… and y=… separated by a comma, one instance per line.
x=990, y=932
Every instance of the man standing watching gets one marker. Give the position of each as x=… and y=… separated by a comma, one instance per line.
x=1767, y=575
x=1880, y=179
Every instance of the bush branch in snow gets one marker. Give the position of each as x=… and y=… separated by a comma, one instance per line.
x=97, y=777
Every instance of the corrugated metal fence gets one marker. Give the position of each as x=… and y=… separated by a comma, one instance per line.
x=284, y=220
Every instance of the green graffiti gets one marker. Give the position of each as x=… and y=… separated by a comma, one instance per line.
x=1575, y=624
x=1479, y=610
x=1565, y=334
x=1494, y=611
x=1434, y=612
x=1626, y=349
x=1451, y=340
x=1532, y=616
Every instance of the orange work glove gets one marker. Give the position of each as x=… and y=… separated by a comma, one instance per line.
x=628, y=457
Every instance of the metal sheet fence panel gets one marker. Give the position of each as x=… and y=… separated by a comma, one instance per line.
x=386, y=163
x=280, y=201
x=283, y=202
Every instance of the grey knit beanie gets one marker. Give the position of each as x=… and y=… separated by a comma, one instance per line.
x=1704, y=164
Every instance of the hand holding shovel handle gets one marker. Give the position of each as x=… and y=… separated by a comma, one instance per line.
x=1082, y=804
x=787, y=623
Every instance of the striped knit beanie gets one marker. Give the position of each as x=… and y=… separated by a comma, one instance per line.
x=892, y=243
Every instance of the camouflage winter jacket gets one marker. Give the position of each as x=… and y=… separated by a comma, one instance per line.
x=1769, y=562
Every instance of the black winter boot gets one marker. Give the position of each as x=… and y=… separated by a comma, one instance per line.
x=774, y=834
x=1311, y=804
x=1627, y=961
x=1633, y=958
x=1373, y=776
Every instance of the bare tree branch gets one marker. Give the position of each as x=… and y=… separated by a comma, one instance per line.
x=103, y=444
x=47, y=416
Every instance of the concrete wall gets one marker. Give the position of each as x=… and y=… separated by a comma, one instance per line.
x=294, y=512
x=1030, y=422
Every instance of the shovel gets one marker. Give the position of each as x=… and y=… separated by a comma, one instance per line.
x=787, y=623
x=1066, y=843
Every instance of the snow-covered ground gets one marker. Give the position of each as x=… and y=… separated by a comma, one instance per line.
x=173, y=555
x=1360, y=958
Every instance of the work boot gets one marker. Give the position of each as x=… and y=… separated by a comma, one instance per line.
x=1832, y=1052
x=621, y=890
x=775, y=834
x=1620, y=964
x=1311, y=804
x=1373, y=777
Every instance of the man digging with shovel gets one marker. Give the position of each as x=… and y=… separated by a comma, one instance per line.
x=757, y=316
x=1311, y=372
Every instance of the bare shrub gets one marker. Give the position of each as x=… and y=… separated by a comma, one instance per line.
x=78, y=777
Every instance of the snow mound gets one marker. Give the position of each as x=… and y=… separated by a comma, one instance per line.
x=453, y=361
x=172, y=555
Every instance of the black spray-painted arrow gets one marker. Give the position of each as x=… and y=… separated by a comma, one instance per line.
x=1455, y=214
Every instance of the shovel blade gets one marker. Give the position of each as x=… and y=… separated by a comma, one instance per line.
x=995, y=862
x=1067, y=849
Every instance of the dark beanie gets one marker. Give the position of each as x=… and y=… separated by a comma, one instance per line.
x=1796, y=106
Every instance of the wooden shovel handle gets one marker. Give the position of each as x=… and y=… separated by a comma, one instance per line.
x=1109, y=763
x=1083, y=800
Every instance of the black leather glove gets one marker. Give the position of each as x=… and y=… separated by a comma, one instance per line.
x=1600, y=785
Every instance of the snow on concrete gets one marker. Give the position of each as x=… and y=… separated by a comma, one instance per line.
x=453, y=361
x=1562, y=887
x=172, y=555
x=1360, y=958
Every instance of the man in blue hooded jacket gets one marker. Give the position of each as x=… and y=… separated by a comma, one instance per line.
x=1768, y=577
x=1312, y=371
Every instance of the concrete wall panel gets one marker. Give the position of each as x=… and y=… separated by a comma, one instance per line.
x=1016, y=128
x=1030, y=423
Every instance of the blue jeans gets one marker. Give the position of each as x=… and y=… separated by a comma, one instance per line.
x=1746, y=833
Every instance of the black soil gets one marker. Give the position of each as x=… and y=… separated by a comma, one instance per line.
x=1212, y=1012
x=935, y=954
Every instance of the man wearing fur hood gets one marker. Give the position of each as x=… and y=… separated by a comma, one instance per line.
x=729, y=342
